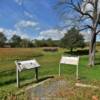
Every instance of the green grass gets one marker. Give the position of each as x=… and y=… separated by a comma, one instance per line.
x=49, y=62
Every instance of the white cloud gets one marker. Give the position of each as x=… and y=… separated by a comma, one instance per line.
x=28, y=14
x=25, y=24
x=37, y=28
x=19, y=29
x=19, y=2
x=87, y=6
x=24, y=35
x=54, y=34
x=1, y=30
x=9, y=33
x=87, y=35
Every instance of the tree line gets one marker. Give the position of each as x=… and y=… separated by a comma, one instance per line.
x=72, y=39
x=16, y=42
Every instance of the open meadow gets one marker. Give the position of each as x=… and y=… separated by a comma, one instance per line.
x=49, y=62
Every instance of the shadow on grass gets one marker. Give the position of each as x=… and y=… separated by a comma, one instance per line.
x=97, y=60
x=9, y=77
x=36, y=81
x=9, y=81
x=97, y=63
x=82, y=78
x=22, y=81
x=7, y=72
x=44, y=78
x=78, y=52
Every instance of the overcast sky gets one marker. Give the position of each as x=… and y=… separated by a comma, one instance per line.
x=34, y=19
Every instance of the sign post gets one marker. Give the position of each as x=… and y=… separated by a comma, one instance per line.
x=22, y=65
x=70, y=61
x=17, y=77
x=36, y=73
x=59, y=69
x=77, y=76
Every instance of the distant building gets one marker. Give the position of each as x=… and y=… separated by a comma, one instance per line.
x=7, y=46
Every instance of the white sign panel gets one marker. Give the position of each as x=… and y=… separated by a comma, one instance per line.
x=21, y=65
x=69, y=60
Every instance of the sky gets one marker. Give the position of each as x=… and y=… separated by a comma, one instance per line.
x=33, y=19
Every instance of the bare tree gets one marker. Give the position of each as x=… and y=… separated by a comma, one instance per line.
x=87, y=15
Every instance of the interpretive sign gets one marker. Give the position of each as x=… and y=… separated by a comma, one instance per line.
x=23, y=65
x=70, y=61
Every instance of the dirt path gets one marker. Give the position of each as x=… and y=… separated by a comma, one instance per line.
x=46, y=91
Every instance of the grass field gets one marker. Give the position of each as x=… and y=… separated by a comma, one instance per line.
x=49, y=62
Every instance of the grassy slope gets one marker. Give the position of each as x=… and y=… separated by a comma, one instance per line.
x=49, y=66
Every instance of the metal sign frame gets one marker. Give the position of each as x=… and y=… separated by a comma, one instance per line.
x=18, y=63
x=77, y=64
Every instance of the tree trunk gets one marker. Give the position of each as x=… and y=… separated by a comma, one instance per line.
x=92, y=49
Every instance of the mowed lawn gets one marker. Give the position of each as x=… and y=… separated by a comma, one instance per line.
x=49, y=62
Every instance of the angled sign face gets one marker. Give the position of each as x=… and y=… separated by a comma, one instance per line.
x=69, y=60
x=29, y=64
